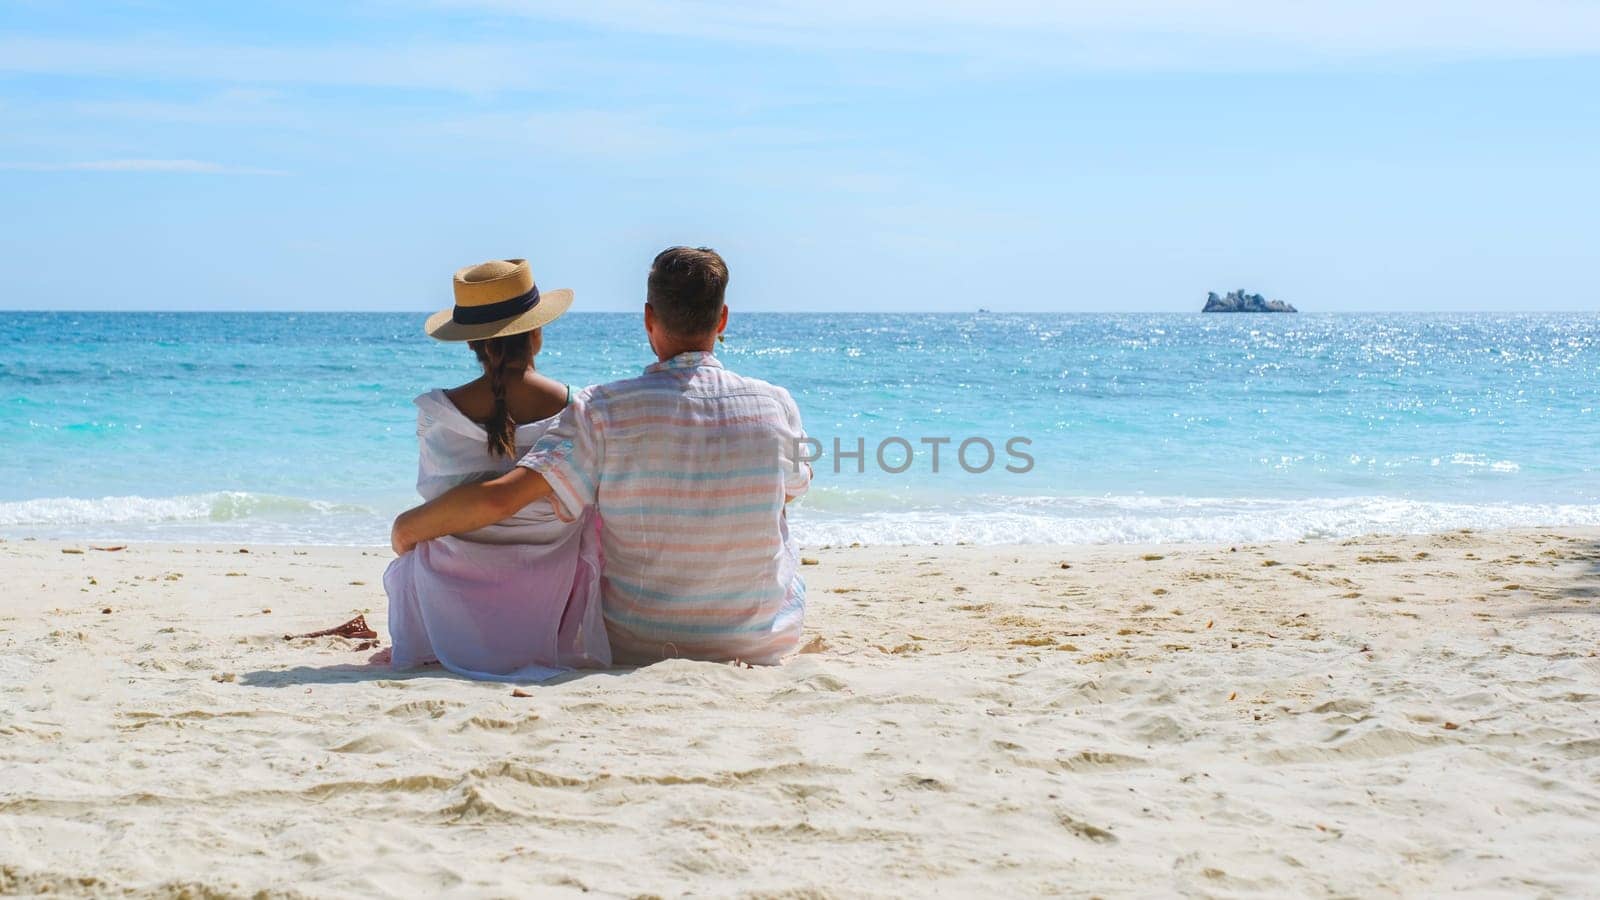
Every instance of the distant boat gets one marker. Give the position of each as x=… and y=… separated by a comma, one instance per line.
x=1240, y=302
x=982, y=310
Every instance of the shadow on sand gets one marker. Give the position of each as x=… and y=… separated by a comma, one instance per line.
x=1585, y=586
x=352, y=673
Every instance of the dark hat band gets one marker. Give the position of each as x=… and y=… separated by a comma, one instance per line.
x=494, y=312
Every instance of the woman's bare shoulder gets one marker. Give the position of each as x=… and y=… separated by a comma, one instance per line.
x=540, y=398
x=531, y=399
x=473, y=399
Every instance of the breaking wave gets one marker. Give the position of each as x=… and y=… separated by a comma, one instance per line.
x=220, y=506
x=826, y=518
x=1168, y=520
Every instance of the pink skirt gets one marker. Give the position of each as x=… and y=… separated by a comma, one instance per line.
x=501, y=612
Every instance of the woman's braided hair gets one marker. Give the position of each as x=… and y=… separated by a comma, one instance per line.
x=502, y=358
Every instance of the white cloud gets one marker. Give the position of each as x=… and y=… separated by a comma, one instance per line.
x=455, y=67
x=182, y=166
x=1111, y=33
x=228, y=107
x=977, y=36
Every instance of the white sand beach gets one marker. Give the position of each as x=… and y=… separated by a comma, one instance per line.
x=1386, y=715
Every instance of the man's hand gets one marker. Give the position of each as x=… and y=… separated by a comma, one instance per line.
x=468, y=507
x=398, y=541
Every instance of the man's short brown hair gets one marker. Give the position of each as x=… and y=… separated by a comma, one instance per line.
x=686, y=289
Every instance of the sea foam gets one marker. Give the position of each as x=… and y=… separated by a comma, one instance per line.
x=986, y=520
x=1167, y=520
x=218, y=506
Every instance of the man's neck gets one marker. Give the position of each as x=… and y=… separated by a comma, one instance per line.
x=676, y=347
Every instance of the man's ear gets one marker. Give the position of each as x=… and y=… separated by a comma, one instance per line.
x=650, y=326
x=722, y=323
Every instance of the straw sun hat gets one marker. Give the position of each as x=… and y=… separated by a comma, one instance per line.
x=494, y=299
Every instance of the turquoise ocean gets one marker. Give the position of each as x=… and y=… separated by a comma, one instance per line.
x=1148, y=428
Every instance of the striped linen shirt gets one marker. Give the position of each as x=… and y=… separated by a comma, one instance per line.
x=689, y=466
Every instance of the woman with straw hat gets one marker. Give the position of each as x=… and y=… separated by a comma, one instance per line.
x=519, y=599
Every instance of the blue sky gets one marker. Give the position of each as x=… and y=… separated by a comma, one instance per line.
x=869, y=155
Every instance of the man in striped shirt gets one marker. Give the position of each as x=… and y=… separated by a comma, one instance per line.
x=690, y=467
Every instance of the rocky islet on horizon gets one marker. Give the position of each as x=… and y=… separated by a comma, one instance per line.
x=1239, y=301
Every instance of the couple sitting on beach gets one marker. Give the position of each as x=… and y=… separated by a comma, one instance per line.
x=631, y=522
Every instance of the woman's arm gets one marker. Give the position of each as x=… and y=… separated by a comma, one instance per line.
x=468, y=507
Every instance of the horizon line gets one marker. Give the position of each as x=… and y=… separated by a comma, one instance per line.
x=816, y=312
